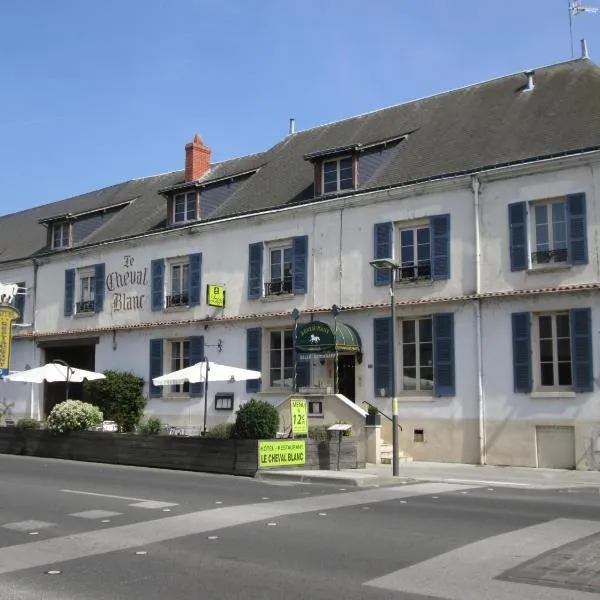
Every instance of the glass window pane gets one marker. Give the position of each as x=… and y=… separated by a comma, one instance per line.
x=409, y=354
x=426, y=355
x=564, y=373
x=409, y=378
x=407, y=248
x=559, y=231
x=545, y=324
x=288, y=338
x=330, y=167
x=562, y=326
x=558, y=212
x=423, y=235
x=275, y=340
x=426, y=379
x=541, y=238
x=546, y=352
x=330, y=186
x=346, y=163
x=547, y=374
x=564, y=349
x=425, y=330
x=408, y=331
x=541, y=214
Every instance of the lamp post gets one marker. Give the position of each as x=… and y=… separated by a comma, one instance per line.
x=335, y=311
x=390, y=265
x=60, y=361
x=295, y=315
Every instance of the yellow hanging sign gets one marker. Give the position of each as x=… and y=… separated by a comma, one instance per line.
x=299, y=416
x=7, y=315
x=281, y=453
x=215, y=295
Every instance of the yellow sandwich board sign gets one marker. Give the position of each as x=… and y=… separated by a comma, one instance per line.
x=299, y=416
x=215, y=295
x=281, y=453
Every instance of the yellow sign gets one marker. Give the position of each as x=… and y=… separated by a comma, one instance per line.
x=281, y=453
x=215, y=295
x=7, y=315
x=299, y=416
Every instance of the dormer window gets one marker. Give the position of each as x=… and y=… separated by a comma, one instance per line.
x=185, y=207
x=338, y=174
x=61, y=235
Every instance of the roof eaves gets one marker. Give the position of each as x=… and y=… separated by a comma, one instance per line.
x=200, y=183
x=331, y=151
x=74, y=215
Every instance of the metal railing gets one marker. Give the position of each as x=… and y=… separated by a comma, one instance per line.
x=178, y=300
x=414, y=272
x=85, y=306
x=278, y=287
x=382, y=413
x=545, y=257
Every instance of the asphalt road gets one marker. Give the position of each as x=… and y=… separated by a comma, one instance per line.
x=81, y=531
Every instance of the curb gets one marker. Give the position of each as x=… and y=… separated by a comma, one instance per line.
x=324, y=479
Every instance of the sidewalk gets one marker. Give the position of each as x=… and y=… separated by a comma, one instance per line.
x=374, y=475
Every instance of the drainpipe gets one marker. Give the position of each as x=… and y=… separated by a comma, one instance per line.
x=34, y=414
x=475, y=185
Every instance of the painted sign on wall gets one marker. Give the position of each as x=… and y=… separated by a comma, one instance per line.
x=281, y=453
x=7, y=315
x=123, y=283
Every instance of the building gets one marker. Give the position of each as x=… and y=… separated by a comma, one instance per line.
x=486, y=196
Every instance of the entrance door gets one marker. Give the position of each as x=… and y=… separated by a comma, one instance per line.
x=346, y=380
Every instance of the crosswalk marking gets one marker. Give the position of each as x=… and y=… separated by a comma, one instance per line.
x=27, y=526
x=468, y=573
x=95, y=514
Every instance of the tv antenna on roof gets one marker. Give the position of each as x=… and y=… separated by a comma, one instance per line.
x=577, y=8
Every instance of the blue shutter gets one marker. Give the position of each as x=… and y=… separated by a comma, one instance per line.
x=99, y=274
x=578, y=253
x=157, y=276
x=69, y=291
x=581, y=349
x=299, y=264
x=195, y=278
x=443, y=355
x=382, y=248
x=517, y=231
x=19, y=301
x=253, y=356
x=521, y=334
x=302, y=373
x=156, y=366
x=440, y=246
x=255, y=267
x=382, y=355
x=196, y=356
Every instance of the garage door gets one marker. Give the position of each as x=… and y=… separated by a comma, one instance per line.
x=555, y=447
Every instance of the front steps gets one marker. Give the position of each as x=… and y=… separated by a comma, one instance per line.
x=387, y=454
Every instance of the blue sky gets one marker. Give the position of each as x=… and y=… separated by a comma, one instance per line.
x=95, y=93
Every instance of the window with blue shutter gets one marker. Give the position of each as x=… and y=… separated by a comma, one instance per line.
x=382, y=248
x=19, y=301
x=99, y=275
x=196, y=356
x=581, y=350
x=255, y=270
x=577, y=229
x=443, y=355
x=521, y=337
x=69, y=291
x=195, y=278
x=517, y=230
x=299, y=264
x=157, y=277
x=382, y=355
x=253, y=356
x=156, y=366
x=440, y=247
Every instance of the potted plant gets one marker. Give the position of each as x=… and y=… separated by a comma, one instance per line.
x=373, y=416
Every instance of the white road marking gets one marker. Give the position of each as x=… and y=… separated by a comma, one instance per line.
x=444, y=576
x=152, y=504
x=94, y=543
x=484, y=482
x=95, y=514
x=138, y=502
x=27, y=526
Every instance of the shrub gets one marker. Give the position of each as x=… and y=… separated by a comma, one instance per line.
x=119, y=397
x=318, y=432
x=256, y=420
x=348, y=432
x=27, y=423
x=151, y=427
x=221, y=431
x=373, y=410
x=73, y=415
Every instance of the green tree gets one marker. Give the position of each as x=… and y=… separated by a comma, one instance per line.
x=119, y=397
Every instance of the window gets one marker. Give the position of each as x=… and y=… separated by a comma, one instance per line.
x=415, y=253
x=315, y=408
x=554, y=351
x=281, y=358
x=549, y=229
x=280, y=266
x=338, y=175
x=179, y=284
x=180, y=358
x=87, y=292
x=60, y=235
x=185, y=207
x=223, y=401
x=417, y=355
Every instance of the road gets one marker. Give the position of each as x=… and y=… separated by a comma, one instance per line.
x=82, y=531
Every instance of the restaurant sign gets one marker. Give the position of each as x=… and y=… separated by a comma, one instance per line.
x=314, y=337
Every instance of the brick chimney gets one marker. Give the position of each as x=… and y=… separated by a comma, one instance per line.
x=197, y=159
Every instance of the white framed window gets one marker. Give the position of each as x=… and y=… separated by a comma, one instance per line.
x=549, y=232
x=315, y=408
x=178, y=289
x=281, y=358
x=178, y=358
x=61, y=234
x=552, y=352
x=338, y=174
x=185, y=207
x=280, y=269
x=416, y=344
x=223, y=401
x=415, y=251
x=87, y=291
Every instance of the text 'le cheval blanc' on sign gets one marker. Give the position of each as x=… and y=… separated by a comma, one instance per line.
x=121, y=282
x=281, y=453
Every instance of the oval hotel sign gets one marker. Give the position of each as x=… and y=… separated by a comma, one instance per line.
x=315, y=336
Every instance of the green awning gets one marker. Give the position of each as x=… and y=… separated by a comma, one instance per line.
x=318, y=338
x=347, y=339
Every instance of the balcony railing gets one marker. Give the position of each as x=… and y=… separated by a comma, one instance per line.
x=414, y=272
x=546, y=257
x=85, y=306
x=278, y=287
x=181, y=299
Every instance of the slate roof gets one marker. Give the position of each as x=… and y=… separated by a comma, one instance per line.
x=465, y=130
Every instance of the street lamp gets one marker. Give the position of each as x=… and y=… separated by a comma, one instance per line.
x=390, y=265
